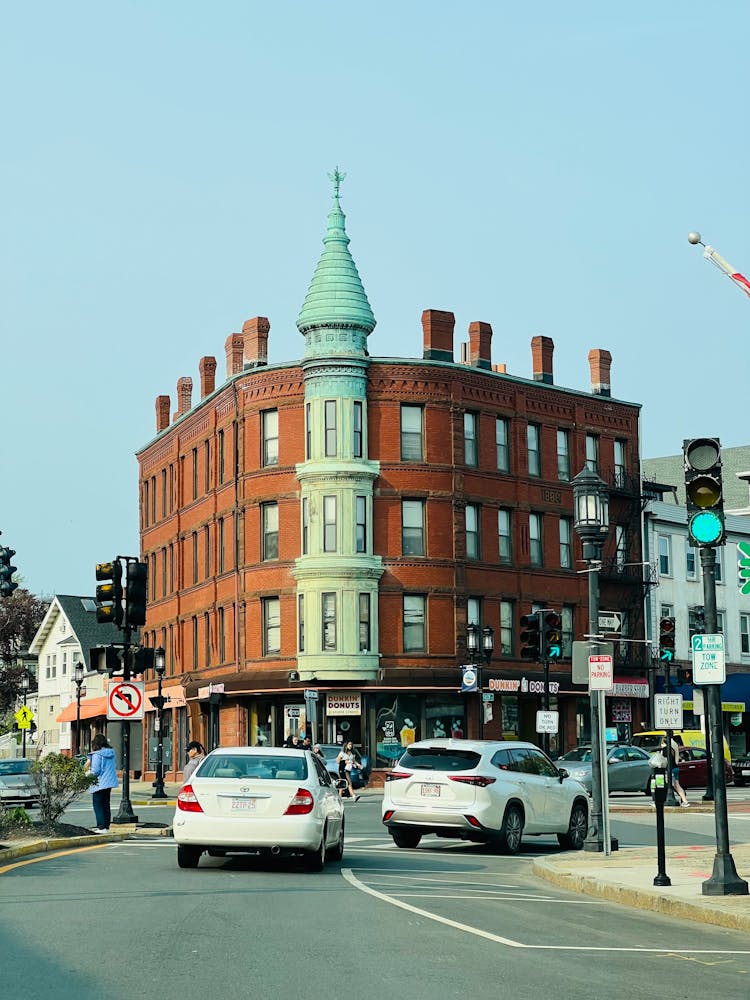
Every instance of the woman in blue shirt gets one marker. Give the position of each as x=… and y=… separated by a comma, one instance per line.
x=102, y=764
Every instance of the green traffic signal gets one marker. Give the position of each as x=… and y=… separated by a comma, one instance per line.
x=704, y=495
x=706, y=528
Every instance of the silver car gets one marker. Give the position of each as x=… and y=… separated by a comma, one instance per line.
x=278, y=801
x=17, y=784
x=492, y=792
x=628, y=768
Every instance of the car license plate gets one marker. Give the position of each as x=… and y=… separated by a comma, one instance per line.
x=431, y=791
x=244, y=804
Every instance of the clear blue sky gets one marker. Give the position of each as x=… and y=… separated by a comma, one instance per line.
x=534, y=166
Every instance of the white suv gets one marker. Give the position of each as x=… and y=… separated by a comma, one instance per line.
x=482, y=791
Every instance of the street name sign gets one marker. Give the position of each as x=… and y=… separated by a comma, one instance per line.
x=547, y=722
x=668, y=711
x=610, y=621
x=601, y=673
x=709, y=666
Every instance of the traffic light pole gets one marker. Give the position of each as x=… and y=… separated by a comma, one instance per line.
x=724, y=880
x=125, y=813
x=595, y=839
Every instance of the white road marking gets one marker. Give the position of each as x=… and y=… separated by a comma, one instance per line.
x=516, y=897
x=510, y=943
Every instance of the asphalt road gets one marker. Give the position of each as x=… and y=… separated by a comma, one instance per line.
x=446, y=920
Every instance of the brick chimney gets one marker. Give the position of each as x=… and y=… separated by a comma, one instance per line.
x=437, y=327
x=207, y=370
x=542, y=349
x=233, y=346
x=162, y=413
x=480, y=345
x=600, y=362
x=255, y=335
x=184, y=396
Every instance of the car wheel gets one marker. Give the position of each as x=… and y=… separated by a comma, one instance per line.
x=511, y=832
x=406, y=838
x=336, y=852
x=188, y=856
x=577, y=829
x=315, y=860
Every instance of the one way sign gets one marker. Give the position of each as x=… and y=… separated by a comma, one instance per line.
x=610, y=621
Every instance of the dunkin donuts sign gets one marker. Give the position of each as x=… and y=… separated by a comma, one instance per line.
x=344, y=703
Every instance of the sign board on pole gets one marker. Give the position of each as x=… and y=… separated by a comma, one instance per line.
x=709, y=666
x=581, y=653
x=547, y=722
x=610, y=621
x=24, y=717
x=699, y=707
x=311, y=694
x=125, y=700
x=668, y=711
x=601, y=673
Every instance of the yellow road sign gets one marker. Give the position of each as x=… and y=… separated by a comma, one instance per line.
x=24, y=717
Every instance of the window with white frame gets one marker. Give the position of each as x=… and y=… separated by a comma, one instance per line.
x=329, y=524
x=506, y=628
x=305, y=524
x=357, y=429
x=621, y=454
x=504, y=527
x=472, y=531
x=563, y=455
x=301, y=623
x=745, y=635
x=412, y=527
x=566, y=543
x=414, y=637
x=533, y=449
x=270, y=540
x=592, y=453
x=411, y=434
x=308, y=431
x=474, y=611
x=535, y=539
x=360, y=518
x=269, y=423
x=365, y=642
x=471, y=449
x=690, y=570
x=331, y=438
x=665, y=555
x=328, y=622
x=502, y=446
x=271, y=626
x=621, y=545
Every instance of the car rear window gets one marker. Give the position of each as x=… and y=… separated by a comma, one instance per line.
x=14, y=767
x=439, y=759
x=264, y=767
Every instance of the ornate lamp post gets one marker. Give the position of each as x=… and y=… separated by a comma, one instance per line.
x=591, y=519
x=24, y=682
x=476, y=655
x=160, y=665
x=78, y=680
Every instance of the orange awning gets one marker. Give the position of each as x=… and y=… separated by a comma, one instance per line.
x=90, y=709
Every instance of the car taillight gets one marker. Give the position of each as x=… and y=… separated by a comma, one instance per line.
x=397, y=775
x=473, y=779
x=301, y=804
x=187, y=802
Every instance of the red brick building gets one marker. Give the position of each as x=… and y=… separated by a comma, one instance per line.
x=332, y=524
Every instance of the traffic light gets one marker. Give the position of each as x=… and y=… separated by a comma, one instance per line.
x=136, y=593
x=143, y=659
x=552, y=635
x=109, y=593
x=7, y=584
x=704, y=491
x=666, y=640
x=696, y=621
x=531, y=640
x=106, y=659
x=684, y=675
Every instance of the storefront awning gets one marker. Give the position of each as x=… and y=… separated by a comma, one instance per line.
x=91, y=708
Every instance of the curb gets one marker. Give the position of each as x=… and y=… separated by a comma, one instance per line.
x=57, y=843
x=644, y=899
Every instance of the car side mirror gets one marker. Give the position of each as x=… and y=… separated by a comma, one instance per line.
x=563, y=774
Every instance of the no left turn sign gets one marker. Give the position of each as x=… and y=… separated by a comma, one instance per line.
x=125, y=700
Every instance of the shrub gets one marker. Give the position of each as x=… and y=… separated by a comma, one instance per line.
x=60, y=779
x=15, y=820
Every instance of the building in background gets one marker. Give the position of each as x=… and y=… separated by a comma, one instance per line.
x=333, y=523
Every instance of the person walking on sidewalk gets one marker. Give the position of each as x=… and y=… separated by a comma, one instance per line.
x=101, y=762
x=676, y=752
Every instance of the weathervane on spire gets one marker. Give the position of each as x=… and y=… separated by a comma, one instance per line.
x=337, y=177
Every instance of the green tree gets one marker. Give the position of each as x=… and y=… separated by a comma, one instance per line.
x=60, y=780
x=21, y=614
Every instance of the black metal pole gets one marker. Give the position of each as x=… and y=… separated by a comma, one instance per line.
x=594, y=841
x=23, y=749
x=478, y=668
x=724, y=880
x=125, y=813
x=159, y=792
x=709, y=793
x=78, y=718
x=545, y=699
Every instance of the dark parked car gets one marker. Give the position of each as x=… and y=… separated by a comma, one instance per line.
x=17, y=785
x=741, y=770
x=359, y=778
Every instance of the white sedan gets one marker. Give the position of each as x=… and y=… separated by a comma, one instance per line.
x=252, y=800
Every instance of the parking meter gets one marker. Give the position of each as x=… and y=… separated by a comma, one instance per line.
x=660, y=786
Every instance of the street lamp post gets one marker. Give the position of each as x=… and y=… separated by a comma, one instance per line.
x=78, y=679
x=160, y=663
x=591, y=504
x=24, y=691
x=477, y=656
